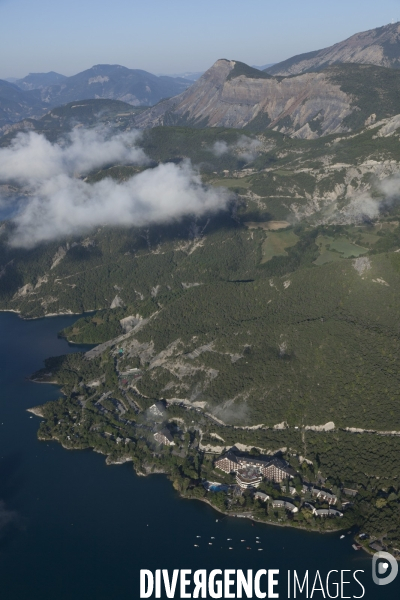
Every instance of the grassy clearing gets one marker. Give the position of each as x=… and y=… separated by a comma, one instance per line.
x=323, y=241
x=276, y=244
x=346, y=248
x=283, y=172
x=231, y=182
x=332, y=249
x=369, y=238
x=327, y=257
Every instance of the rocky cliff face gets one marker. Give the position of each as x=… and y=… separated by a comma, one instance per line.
x=230, y=94
x=306, y=106
x=379, y=47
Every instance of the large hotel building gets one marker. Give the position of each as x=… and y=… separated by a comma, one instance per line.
x=272, y=468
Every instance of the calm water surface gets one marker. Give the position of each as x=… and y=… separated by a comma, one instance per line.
x=81, y=530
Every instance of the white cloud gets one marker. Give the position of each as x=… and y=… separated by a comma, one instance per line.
x=61, y=204
x=248, y=148
x=364, y=206
x=245, y=148
x=220, y=148
x=31, y=158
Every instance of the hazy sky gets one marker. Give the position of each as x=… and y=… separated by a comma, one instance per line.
x=172, y=36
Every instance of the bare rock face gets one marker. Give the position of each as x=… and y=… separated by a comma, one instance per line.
x=221, y=99
x=379, y=47
x=117, y=303
x=295, y=97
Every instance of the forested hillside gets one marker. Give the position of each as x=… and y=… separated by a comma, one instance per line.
x=272, y=323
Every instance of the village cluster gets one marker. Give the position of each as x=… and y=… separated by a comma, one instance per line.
x=251, y=470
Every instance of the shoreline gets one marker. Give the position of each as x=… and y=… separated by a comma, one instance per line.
x=59, y=314
x=123, y=460
x=250, y=518
x=35, y=410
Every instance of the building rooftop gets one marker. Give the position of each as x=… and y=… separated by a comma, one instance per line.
x=248, y=475
x=262, y=460
x=376, y=546
x=157, y=408
x=166, y=433
x=285, y=504
x=261, y=496
x=323, y=512
x=349, y=492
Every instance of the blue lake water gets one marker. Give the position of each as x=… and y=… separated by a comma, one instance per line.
x=82, y=530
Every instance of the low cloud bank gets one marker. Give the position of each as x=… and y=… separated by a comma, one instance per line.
x=60, y=203
x=246, y=148
x=31, y=158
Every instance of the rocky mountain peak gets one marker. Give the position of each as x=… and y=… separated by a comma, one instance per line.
x=380, y=46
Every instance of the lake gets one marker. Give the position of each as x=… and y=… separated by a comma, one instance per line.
x=72, y=528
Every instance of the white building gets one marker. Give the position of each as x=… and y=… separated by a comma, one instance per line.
x=261, y=496
x=283, y=504
x=328, y=512
x=272, y=468
x=247, y=478
x=164, y=437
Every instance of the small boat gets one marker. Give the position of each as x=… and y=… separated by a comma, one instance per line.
x=260, y=549
x=248, y=548
x=230, y=548
x=213, y=538
x=242, y=540
x=229, y=539
x=210, y=543
x=342, y=536
x=257, y=537
x=196, y=546
x=216, y=520
x=257, y=542
x=198, y=536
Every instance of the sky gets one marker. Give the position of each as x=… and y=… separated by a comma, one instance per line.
x=174, y=36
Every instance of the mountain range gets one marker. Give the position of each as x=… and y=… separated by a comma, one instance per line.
x=39, y=81
x=334, y=90
x=380, y=47
x=37, y=93
x=327, y=91
x=232, y=94
x=16, y=104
